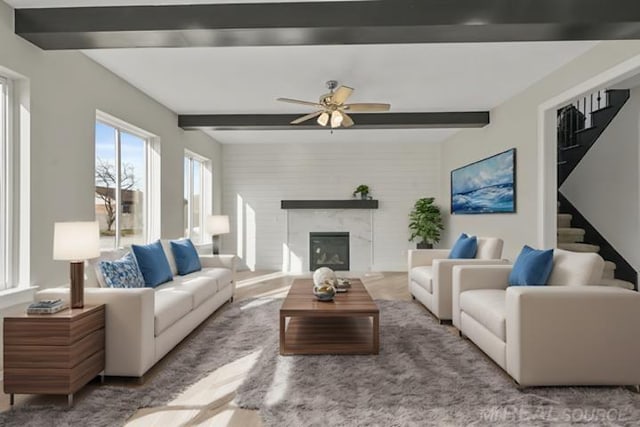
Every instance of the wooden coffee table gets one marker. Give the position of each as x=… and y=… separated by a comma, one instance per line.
x=347, y=325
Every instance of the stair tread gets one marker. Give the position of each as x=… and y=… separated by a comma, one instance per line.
x=579, y=247
x=570, y=230
x=610, y=265
x=586, y=129
x=617, y=283
x=565, y=215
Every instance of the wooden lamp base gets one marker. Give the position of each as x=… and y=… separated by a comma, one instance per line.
x=77, y=284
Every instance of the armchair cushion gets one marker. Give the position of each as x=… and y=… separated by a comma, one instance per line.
x=532, y=267
x=575, y=269
x=464, y=248
x=423, y=276
x=488, y=307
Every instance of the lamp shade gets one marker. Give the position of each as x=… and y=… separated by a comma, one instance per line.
x=217, y=224
x=76, y=241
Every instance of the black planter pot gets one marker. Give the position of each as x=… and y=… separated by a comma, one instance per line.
x=424, y=245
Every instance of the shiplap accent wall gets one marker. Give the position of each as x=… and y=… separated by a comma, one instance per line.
x=258, y=176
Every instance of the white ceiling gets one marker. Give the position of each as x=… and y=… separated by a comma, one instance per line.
x=412, y=77
x=416, y=77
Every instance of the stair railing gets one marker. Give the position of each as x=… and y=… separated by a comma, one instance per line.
x=578, y=115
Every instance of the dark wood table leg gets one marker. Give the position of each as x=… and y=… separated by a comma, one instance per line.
x=283, y=321
x=376, y=333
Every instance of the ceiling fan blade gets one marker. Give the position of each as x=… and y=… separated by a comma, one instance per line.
x=367, y=107
x=341, y=94
x=305, y=118
x=347, y=121
x=297, y=101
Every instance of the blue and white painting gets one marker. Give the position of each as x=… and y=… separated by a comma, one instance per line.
x=486, y=186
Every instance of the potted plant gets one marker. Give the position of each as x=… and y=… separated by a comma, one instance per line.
x=425, y=222
x=363, y=190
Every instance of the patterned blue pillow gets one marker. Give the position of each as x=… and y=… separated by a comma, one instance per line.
x=122, y=273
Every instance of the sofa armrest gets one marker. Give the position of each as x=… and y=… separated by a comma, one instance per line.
x=476, y=276
x=129, y=328
x=425, y=257
x=572, y=335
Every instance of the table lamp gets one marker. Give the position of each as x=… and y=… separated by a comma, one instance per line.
x=76, y=242
x=216, y=225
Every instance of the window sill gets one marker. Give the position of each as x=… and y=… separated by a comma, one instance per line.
x=15, y=296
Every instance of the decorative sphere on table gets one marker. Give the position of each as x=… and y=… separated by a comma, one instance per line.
x=322, y=275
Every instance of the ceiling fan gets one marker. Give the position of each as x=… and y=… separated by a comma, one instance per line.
x=332, y=109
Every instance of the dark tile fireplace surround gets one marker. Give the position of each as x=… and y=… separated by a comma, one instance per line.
x=329, y=249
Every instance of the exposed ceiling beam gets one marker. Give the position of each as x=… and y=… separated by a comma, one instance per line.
x=451, y=120
x=327, y=23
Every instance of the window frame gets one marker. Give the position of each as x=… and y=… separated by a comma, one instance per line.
x=5, y=184
x=206, y=174
x=151, y=229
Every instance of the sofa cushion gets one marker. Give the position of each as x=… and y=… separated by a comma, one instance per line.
x=423, y=276
x=122, y=273
x=464, y=248
x=532, y=267
x=186, y=256
x=170, y=306
x=488, y=307
x=153, y=263
x=200, y=286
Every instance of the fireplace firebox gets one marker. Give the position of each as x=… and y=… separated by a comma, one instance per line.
x=329, y=249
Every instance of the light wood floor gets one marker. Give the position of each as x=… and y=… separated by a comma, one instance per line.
x=209, y=401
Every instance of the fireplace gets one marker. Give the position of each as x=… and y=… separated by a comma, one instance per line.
x=329, y=249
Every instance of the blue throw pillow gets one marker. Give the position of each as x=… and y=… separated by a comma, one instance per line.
x=187, y=259
x=532, y=267
x=153, y=264
x=464, y=248
x=122, y=273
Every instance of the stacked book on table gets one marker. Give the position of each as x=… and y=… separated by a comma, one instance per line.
x=50, y=306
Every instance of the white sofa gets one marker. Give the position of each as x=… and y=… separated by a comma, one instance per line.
x=144, y=324
x=430, y=273
x=565, y=333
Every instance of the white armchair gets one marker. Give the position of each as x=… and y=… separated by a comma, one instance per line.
x=565, y=333
x=430, y=273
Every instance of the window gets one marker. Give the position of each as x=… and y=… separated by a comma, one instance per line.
x=197, y=179
x=122, y=196
x=5, y=190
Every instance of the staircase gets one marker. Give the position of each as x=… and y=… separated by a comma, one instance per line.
x=579, y=126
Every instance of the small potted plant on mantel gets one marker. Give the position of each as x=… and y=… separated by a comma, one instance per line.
x=363, y=190
x=425, y=222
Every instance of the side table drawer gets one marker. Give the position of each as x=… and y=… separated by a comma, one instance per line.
x=53, y=381
x=59, y=356
x=54, y=329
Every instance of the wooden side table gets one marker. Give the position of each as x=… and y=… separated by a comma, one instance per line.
x=53, y=353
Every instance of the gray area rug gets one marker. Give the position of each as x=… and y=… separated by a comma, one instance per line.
x=424, y=375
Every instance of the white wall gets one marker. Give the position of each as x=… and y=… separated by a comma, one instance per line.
x=605, y=186
x=65, y=90
x=263, y=174
x=515, y=124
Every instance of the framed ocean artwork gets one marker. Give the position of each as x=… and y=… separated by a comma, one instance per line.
x=486, y=186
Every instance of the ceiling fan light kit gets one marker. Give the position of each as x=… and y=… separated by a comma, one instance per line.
x=332, y=108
